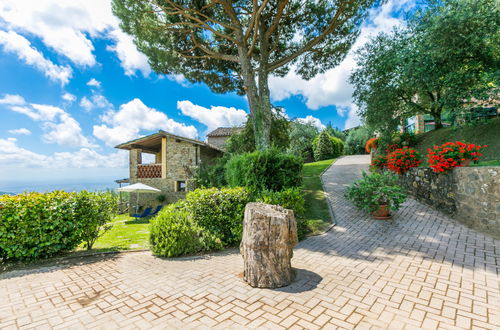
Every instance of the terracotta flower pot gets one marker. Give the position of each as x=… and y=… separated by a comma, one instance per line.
x=383, y=213
x=466, y=162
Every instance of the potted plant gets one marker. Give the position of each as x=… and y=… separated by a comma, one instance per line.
x=378, y=193
x=371, y=146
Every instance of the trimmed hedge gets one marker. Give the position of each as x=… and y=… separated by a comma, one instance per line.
x=219, y=211
x=327, y=147
x=264, y=170
x=37, y=225
x=173, y=233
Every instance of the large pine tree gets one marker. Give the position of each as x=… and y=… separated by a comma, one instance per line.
x=236, y=45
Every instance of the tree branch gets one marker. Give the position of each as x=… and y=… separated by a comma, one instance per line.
x=313, y=42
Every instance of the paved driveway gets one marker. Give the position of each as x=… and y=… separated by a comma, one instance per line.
x=421, y=270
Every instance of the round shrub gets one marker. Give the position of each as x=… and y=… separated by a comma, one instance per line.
x=35, y=225
x=291, y=198
x=401, y=160
x=326, y=146
x=268, y=169
x=173, y=233
x=219, y=211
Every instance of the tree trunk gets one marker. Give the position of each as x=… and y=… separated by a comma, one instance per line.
x=437, y=119
x=269, y=235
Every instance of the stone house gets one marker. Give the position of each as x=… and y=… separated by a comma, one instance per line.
x=219, y=136
x=175, y=159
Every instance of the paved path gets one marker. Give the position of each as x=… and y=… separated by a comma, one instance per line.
x=421, y=270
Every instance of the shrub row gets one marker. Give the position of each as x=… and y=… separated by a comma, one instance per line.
x=211, y=219
x=37, y=225
x=326, y=146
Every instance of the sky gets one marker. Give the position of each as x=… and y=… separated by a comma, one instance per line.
x=73, y=85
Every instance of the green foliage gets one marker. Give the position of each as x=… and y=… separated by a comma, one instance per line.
x=326, y=146
x=335, y=132
x=161, y=198
x=209, y=175
x=36, y=225
x=427, y=67
x=356, y=141
x=291, y=198
x=219, y=211
x=260, y=170
x=376, y=189
x=173, y=233
x=301, y=139
x=244, y=141
x=94, y=211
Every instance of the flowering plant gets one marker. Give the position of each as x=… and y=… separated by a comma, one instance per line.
x=452, y=154
x=371, y=144
x=379, y=162
x=402, y=159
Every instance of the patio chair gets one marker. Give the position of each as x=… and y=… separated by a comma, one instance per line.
x=158, y=209
x=146, y=213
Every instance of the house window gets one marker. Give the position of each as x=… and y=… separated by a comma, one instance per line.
x=181, y=186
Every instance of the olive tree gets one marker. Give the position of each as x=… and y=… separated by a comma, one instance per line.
x=233, y=46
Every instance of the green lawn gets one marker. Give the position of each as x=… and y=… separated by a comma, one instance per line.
x=126, y=234
x=317, y=213
x=487, y=163
x=486, y=133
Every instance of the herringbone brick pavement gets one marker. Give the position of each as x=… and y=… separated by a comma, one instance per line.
x=421, y=270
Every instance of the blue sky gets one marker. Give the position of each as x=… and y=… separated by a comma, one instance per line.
x=72, y=85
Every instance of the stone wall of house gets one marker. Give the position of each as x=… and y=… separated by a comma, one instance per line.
x=470, y=194
x=218, y=141
x=182, y=159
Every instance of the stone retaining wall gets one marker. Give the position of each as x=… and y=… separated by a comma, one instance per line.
x=470, y=194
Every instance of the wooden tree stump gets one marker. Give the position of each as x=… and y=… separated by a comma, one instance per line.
x=269, y=235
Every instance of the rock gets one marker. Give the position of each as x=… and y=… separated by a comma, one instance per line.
x=269, y=235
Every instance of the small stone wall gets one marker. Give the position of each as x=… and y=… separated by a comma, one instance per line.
x=470, y=194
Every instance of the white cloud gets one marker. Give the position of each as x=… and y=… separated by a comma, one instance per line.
x=131, y=59
x=312, y=121
x=59, y=126
x=19, y=45
x=11, y=99
x=14, y=155
x=179, y=78
x=214, y=117
x=68, y=26
x=132, y=118
x=68, y=97
x=332, y=87
x=20, y=131
x=94, y=83
x=96, y=101
x=66, y=132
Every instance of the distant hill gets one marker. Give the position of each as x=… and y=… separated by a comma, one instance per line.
x=5, y=193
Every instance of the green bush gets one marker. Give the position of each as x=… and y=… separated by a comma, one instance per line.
x=356, y=141
x=219, y=211
x=326, y=146
x=291, y=198
x=94, y=211
x=264, y=170
x=209, y=175
x=376, y=189
x=173, y=233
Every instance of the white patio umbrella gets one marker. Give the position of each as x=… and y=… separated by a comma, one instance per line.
x=139, y=188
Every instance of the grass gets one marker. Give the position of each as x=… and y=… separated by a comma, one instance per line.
x=317, y=213
x=482, y=133
x=487, y=163
x=126, y=234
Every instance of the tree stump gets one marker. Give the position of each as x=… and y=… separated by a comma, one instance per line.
x=269, y=235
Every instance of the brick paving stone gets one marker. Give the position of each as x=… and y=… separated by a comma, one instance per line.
x=419, y=270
